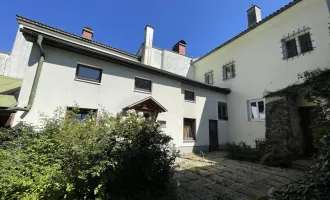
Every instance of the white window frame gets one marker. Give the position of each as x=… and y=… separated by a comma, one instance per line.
x=250, y=109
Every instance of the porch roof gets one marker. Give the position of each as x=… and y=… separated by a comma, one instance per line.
x=148, y=103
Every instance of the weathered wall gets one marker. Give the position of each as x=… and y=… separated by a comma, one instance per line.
x=283, y=131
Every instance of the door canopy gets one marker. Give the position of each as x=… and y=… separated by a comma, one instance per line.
x=147, y=104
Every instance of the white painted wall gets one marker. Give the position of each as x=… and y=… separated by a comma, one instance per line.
x=4, y=58
x=58, y=88
x=19, y=57
x=259, y=64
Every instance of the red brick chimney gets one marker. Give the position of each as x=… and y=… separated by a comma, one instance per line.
x=180, y=47
x=87, y=33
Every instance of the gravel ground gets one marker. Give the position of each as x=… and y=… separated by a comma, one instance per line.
x=211, y=175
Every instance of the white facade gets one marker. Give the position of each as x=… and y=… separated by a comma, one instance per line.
x=259, y=63
x=58, y=88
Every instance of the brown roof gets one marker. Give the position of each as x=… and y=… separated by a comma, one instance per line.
x=279, y=11
x=20, y=18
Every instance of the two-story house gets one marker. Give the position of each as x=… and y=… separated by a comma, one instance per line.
x=202, y=103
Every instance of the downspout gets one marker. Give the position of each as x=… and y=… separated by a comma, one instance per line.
x=36, y=78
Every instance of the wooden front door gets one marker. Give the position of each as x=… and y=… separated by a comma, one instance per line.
x=213, y=135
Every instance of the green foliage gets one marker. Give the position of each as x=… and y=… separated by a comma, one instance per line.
x=277, y=159
x=316, y=185
x=244, y=152
x=108, y=157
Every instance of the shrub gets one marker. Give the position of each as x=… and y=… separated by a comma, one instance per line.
x=244, y=152
x=111, y=157
x=277, y=159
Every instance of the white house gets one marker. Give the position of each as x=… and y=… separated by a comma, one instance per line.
x=202, y=103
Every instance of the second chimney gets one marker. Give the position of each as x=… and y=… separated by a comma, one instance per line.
x=254, y=15
x=87, y=33
x=180, y=47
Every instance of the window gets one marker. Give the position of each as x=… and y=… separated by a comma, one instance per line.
x=257, y=109
x=81, y=114
x=291, y=48
x=189, y=96
x=222, y=111
x=189, y=129
x=88, y=73
x=297, y=43
x=162, y=124
x=209, y=78
x=228, y=71
x=305, y=42
x=142, y=84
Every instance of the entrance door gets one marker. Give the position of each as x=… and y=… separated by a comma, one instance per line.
x=213, y=135
x=307, y=116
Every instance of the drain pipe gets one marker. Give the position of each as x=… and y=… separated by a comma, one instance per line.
x=36, y=79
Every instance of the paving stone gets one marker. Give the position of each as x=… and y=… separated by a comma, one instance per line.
x=215, y=175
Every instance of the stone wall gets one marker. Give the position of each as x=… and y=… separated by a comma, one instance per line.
x=283, y=131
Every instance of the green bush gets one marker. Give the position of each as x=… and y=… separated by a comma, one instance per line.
x=111, y=157
x=277, y=159
x=244, y=152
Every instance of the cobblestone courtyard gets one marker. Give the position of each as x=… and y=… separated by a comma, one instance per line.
x=213, y=175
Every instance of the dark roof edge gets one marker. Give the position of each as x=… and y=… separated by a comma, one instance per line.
x=279, y=11
x=4, y=52
x=20, y=18
x=66, y=45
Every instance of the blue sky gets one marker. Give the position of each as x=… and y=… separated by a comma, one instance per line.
x=120, y=23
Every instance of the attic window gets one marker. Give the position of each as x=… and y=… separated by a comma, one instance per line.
x=209, y=78
x=228, y=71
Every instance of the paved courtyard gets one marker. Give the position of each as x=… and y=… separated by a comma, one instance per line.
x=213, y=175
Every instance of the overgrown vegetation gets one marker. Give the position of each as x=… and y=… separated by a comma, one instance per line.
x=316, y=185
x=244, y=152
x=111, y=157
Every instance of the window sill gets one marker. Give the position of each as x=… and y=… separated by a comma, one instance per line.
x=190, y=101
x=257, y=120
x=189, y=141
x=142, y=91
x=86, y=81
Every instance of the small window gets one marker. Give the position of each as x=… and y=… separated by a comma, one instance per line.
x=222, y=111
x=142, y=84
x=209, y=78
x=257, y=109
x=305, y=42
x=89, y=73
x=189, y=129
x=189, y=96
x=291, y=48
x=162, y=124
x=228, y=71
x=81, y=114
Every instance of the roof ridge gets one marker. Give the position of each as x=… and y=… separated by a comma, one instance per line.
x=18, y=17
x=277, y=12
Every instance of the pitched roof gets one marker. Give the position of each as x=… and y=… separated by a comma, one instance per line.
x=23, y=19
x=151, y=102
x=8, y=84
x=279, y=11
